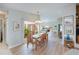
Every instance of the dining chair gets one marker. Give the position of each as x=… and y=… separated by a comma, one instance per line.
x=44, y=37
x=42, y=40
x=30, y=39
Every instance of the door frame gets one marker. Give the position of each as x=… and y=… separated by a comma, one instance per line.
x=3, y=17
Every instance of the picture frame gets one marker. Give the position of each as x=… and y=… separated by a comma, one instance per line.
x=69, y=25
x=16, y=26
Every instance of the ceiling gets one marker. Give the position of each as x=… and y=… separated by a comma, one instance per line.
x=46, y=10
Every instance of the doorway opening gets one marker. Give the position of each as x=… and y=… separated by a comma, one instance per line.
x=3, y=27
x=77, y=25
x=35, y=35
x=60, y=31
x=30, y=28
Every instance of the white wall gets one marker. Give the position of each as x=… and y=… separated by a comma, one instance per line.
x=14, y=37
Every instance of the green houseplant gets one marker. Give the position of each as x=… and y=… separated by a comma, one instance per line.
x=26, y=31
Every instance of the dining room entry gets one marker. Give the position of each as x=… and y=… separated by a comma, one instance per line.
x=2, y=27
x=29, y=30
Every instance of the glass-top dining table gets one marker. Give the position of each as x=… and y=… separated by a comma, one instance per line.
x=36, y=37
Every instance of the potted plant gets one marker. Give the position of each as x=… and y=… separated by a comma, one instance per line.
x=26, y=31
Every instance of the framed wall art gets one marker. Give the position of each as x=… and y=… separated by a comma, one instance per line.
x=16, y=26
x=69, y=25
